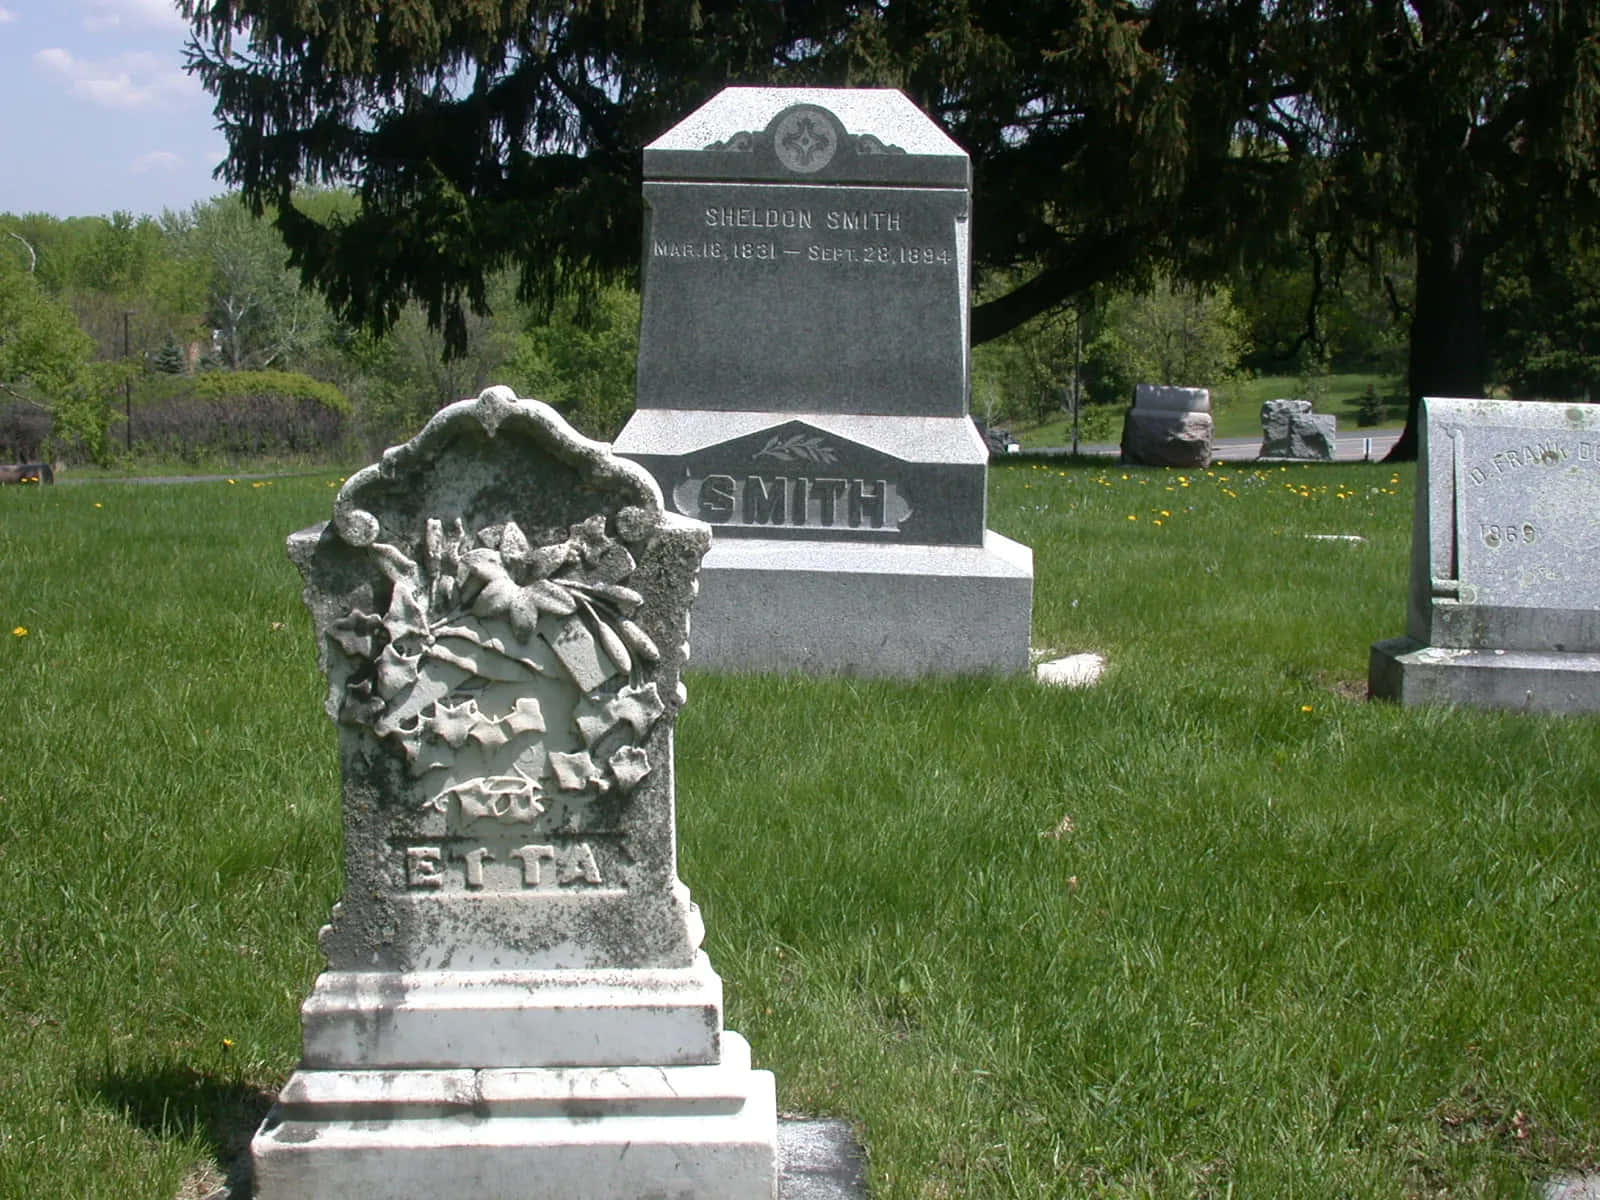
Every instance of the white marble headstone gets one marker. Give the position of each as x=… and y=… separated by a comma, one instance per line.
x=501, y=607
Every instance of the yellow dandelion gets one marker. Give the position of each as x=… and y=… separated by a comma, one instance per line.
x=1133, y=516
x=1158, y=521
x=20, y=631
x=97, y=504
x=1307, y=708
x=1165, y=513
x=233, y=481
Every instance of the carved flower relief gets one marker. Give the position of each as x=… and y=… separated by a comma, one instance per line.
x=505, y=672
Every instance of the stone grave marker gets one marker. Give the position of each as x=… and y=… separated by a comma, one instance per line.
x=1289, y=429
x=515, y=1000
x=803, y=387
x=1168, y=427
x=1504, y=607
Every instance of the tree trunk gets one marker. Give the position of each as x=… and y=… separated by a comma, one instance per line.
x=1447, y=337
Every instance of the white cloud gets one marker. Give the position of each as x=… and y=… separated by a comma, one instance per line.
x=156, y=160
x=7, y=16
x=135, y=79
x=106, y=15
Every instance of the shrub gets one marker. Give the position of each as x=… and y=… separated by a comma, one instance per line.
x=1370, y=409
x=24, y=426
x=240, y=414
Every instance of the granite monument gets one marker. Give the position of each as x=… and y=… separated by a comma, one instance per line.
x=515, y=998
x=803, y=388
x=1168, y=427
x=1504, y=607
x=1289, y=429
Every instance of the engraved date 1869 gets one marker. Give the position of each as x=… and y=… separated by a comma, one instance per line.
x=1496, y=536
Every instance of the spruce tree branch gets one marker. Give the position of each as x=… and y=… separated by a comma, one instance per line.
x=1092, y=262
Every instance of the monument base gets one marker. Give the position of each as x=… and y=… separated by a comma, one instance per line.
x=1407, y=671
x=385, y=1019
x=1162, y=438
x=846, y=608
x=578, y=1133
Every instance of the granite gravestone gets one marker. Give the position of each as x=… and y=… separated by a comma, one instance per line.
x=803, y=388
x=1168, y=427
x=1289, y=429
x=1504, y=607
x=515, y=997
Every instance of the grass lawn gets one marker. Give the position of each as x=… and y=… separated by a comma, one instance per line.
x=1217, y=927
x=1236, y=409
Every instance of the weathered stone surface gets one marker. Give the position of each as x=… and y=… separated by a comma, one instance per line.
x=504, y=699
x=1166, y=438
x=501, y=607
x=852, y=609
x=498, y=1134
x=804, y=373
x=1504, y=605
x=828, y=476
x=1289, y=429
x=807, y=251
x=1156, y=397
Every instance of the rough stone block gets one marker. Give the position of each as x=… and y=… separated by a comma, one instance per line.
x=1167, y=438
x=1289, y=429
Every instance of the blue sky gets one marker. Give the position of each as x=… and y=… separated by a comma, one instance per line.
x=96, y=111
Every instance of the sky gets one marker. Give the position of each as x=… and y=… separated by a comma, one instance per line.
x=97, y=113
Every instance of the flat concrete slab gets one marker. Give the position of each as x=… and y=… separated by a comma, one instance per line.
x=1572, y=1186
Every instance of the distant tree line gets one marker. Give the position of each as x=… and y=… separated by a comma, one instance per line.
x=188, y=336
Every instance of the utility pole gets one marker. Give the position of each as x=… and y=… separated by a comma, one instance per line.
x=1077, y=372
x=127, y=378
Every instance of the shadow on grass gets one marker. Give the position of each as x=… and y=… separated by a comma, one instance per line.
x=168, y=1101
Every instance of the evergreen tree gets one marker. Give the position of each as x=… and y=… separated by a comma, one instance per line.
x=1109, y=139
x=169, y=359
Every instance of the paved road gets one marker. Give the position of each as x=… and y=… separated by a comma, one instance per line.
x=1352, y=447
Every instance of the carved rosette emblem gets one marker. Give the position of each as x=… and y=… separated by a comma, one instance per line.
x=804, y=140
x=506, y=672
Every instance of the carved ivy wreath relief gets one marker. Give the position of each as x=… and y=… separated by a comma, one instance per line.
x=505, y=672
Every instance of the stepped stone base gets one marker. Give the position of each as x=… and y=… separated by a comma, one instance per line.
x=1407, y=671
x=374, y=1019
x=847, y=608
x=579, y=1133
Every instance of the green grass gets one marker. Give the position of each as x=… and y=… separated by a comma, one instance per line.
x=1215, y=927
x=1236, y=409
